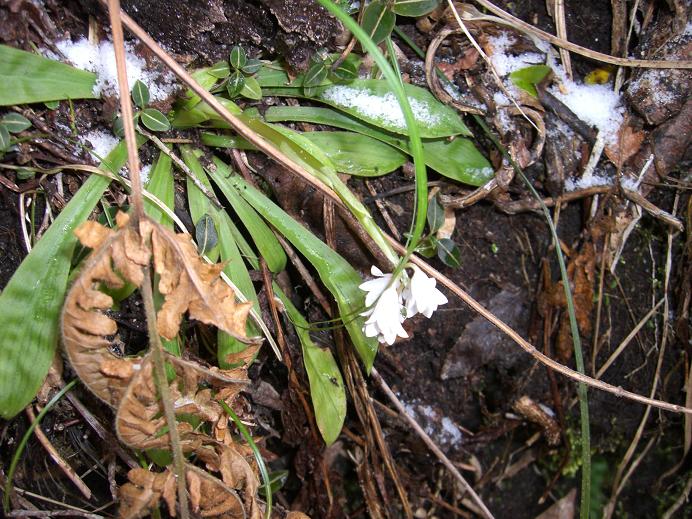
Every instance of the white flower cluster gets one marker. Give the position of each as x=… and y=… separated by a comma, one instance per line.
x=391, y=301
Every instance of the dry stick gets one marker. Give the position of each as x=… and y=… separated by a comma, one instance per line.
x=428, y=442
x=561, y=30
x=680, y=501
x=183, y=167
x=577, y=49
x=277, y=155
x=628, y=339
x=53, y=453
x=146, y=290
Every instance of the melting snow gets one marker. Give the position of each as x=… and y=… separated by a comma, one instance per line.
x=100, y=59
x=144, y=173
x=596, y=105
x=584, y=183
x=101, y=143
x=442, y=429
x=384, y=108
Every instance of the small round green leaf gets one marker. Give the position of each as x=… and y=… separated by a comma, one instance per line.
x=436, y=215
x=220, y=69
x=414, y=8
x=119, y=127
x=25, y=174
x=378, y=21
x=251, y=89
x=205, y=234
x=155, y=120
x=15, y=122
x=140, y=94
x=52, y=105
x=235, y=84
x=252, y=66
x=345, y=72
x=427, y=247
x=4, y=138
x=238, y=57
x=449, y=253
x=315, y=75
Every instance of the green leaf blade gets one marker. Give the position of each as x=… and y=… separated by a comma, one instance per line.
x=326, y=384
x=32, y=302
x=155, y=120
x=20, y=84
x=15, y=122
x=140, y=94
x=378, y=21
x=357, y=154
x=414, y=8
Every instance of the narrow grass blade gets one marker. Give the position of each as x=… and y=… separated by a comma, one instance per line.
x=336, y=273
x=161, y=185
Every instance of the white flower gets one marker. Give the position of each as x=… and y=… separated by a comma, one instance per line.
x=388, y=312
x=421, y=296
x=391, y=301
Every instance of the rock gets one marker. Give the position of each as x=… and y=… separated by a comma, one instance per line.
x=482, y=343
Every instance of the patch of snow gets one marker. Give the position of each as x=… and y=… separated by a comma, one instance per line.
x=501, y=99
x=585, y=183
x=101, y=143
x=656, y=84
x=100, y=59
x=144, y=173
x=505, y=63
x=596, y=105
x=441, y=428
x=384, y=108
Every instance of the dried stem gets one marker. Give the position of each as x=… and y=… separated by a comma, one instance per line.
x=126, y=109
x=146, y=289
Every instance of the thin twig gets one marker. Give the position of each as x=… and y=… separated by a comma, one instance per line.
x=55, y=455
x=160, y=377
x=577, y=49
x=628, y=339
x=429, y=443
x=183, y=167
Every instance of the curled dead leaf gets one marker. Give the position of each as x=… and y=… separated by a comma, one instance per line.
x=119, y=257
x=209, y=496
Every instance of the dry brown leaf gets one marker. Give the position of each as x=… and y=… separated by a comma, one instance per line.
x=581, y=272
x=186, y=282
x=188, y=285
x=139, y=419
x=627, y=145
x=297, y=515
x=209, y=496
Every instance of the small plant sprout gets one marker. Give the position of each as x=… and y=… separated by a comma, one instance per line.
x=392, y=298
x=237, y=75
x=152, y=118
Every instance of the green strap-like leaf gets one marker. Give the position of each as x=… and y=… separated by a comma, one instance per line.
x=32, y=300
x=326, y=385
x=265, y=241
x=357, y=154
x=29, y=78
x=340, y=278
x=459, y=159
x=161, y=185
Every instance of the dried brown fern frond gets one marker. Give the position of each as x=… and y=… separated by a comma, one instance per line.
x=186, y=282
x=209, y=496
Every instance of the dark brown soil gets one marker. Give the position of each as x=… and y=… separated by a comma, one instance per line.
x=463, y=394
